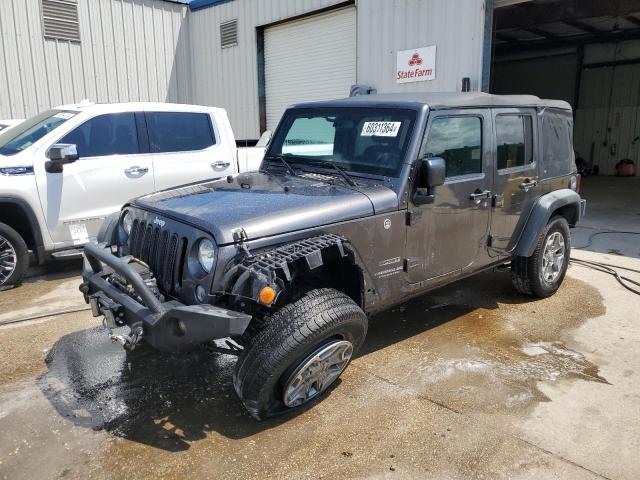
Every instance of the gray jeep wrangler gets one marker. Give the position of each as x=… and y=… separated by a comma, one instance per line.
x=360, y=204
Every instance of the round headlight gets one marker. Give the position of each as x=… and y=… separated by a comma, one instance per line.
x=127, y=222
x=206, y=254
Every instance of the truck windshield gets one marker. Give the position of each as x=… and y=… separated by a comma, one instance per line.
x=365, y=140
x=30, y=131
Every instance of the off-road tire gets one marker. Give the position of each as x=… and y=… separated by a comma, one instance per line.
x=291, y=334
x=22, y=256
x=526, y=272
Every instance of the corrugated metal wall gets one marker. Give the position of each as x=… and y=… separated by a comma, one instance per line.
x=130, y=50
x=608, y=116
x=455, y=27
x=229, y=77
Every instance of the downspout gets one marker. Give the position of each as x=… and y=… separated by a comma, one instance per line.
x=487, y=45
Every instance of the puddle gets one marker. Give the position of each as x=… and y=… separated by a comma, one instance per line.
x=479, y=347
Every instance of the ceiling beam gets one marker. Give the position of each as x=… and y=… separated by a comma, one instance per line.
x=529, y=14
x=507, y=38
x=632, y=19
x=535, y=45
x=541, y=33
x=585, y=27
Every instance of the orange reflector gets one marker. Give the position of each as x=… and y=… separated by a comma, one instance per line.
x=267, y=295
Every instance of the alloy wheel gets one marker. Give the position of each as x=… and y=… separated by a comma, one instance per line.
x=317, y=372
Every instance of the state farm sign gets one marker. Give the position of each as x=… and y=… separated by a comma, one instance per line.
x=416, y=65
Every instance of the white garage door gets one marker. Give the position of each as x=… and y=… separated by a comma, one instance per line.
x=309, y=59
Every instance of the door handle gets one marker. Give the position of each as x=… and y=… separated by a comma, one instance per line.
x=480, y=195
x=220, y=164
x=136, y=170
x=528, y=184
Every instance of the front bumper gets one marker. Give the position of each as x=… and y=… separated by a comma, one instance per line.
x=163, y=325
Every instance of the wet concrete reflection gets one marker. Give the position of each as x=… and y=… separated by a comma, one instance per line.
x=474, y=346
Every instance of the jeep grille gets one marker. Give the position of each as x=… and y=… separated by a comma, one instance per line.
x=158, y=248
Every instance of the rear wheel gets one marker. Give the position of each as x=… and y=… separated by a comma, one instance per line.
x=14, y=257
x=541, y=274
x=299, y=353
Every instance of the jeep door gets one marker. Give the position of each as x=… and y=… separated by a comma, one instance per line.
x=187, y=148
x=112, y=169
x=515, y=173
x=449, y=236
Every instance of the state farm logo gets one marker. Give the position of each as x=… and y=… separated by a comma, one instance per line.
x=416, y=65
x=415, y=60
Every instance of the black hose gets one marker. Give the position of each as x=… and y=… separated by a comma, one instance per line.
x=606, y=268
x=604, y=232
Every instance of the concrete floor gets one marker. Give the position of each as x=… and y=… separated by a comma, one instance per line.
x=471, y=381
x=613, y=205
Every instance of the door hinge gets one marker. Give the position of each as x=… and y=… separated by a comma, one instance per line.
x=412, y=216
x=410, y=263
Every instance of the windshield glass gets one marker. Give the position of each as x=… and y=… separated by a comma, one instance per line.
x=365, y=140
x=30, y=131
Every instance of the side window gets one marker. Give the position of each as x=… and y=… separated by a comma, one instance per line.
x=110, y=134
x=458, y=140
x=179, y=131
x=514, y=138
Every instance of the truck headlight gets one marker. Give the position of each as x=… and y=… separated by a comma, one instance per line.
x=206, y=254
x=127, y=223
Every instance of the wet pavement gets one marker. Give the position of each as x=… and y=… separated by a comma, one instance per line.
x=470, y=381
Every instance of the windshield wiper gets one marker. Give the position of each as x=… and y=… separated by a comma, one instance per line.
x=338, y=169
x=284, y=162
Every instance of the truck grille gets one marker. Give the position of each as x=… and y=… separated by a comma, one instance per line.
x=158, y=248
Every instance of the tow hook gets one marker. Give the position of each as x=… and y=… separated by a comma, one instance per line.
x=129, y=342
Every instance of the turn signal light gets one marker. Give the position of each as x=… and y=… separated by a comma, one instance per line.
x=267, y=295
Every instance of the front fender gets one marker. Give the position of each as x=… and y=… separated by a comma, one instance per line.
x=565, y=200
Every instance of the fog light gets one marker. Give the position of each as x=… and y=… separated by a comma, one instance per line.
x=267, y=295
x=200, y=294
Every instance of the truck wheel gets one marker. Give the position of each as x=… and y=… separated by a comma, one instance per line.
x=541, y=274
x=302, y=350
x=14, y=257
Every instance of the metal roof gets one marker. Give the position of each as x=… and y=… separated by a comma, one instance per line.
x=439, y=101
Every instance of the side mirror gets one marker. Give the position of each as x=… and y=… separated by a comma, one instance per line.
x=431, y=175
x=265, y=138
x=60, y=154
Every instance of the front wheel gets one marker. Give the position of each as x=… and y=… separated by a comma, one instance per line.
x=14, y=257
x=541, y=274
x=299, y=353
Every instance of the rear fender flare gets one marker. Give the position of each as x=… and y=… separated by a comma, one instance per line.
x=540, y=215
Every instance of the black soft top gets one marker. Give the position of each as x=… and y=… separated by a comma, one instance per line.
x=439, y=101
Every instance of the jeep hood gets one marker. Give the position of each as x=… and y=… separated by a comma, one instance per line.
x=265, y=205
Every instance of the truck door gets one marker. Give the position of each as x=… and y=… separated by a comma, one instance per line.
x=112, y=169
x=515, y=173
x=449, y=235
x=187, y=147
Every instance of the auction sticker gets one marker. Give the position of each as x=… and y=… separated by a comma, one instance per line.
x=380, y=129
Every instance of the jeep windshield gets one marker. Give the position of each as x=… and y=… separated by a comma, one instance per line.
x=30, y=131
x=362, y=140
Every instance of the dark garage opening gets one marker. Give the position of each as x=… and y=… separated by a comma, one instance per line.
x=586, y=52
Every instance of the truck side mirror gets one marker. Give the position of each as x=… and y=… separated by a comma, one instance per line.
x=60, y=154
x=431, y=175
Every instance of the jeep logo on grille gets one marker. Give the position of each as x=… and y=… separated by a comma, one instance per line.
x=159, y=222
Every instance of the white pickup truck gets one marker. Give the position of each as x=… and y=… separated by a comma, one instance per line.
x=63, y=171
